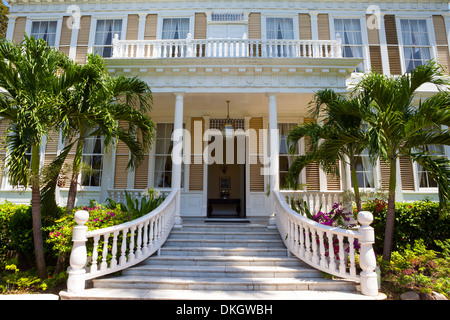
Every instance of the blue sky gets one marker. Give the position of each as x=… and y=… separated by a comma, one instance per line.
x=5, y=3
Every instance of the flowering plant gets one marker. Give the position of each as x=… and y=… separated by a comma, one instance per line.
x=60, y=234
x=336, y=217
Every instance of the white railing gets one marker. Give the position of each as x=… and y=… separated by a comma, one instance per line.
x=116, y=248
x=118, y=195
x=330, y=249
x=226, y=48
x=314, y=200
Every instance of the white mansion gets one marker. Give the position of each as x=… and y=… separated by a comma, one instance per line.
x=249, y=64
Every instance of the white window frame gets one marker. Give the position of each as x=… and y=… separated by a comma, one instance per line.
x=180, y=15
x=30, y=21
x=364, y=36
x=294, y=18
x=431, y=36
x=102, y=155
x=287, y=155
x=93, y=29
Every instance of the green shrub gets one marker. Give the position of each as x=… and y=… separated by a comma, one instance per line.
x=413, y=221
x=7, y=210
x=419, y=269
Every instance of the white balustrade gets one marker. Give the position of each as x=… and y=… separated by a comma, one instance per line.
x=329, y=249
x=314, y=200
x=226, y=48
x=118, y=195
x=137, y=239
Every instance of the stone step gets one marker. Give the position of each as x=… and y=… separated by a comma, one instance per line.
x=217, y=251
x=224, y=227
x=227, y=243
x=208, y=235
x=210, y=283
x=218, y=295
x=281, y=261
x=218, y=271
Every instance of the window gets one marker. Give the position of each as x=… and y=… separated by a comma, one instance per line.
x=364, y=171
x=175, y=28
x=416, y=43
x=104, y=34
x=285, y=159
x=163, y=157
x=44, y=30
x=280, y=28
x=425, y=178
x=92, y=157
x=352, y=44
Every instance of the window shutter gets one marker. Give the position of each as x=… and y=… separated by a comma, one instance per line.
x=256, y=178
x=122, y=158
x=132, y=27
x=150, y=27
x=83, y=39
x=141, y=174
x=19, y=29
x=390, y=27
x=441, y=42
x=196, y=167
x=312, y=169
x=406, y=173
x=374, y=48
x=66, y=35
x=254, y=25
x=304, y=22
x=200, y=26
x=51, y=147
x=323, y=25
x=384, y=170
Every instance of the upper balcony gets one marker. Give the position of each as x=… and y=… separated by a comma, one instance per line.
x=225, y=48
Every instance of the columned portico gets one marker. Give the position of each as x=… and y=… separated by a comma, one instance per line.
x=274, y=151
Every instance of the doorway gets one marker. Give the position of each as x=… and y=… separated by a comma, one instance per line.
x=226, y=181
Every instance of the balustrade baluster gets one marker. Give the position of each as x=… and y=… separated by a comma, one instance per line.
x=352, y=256
x=131, y=255
x=308, y=253
x=104, y=263
x=114, y=250
x=341, y=254
x=145, y=240
x=323, y=261
x=151, y=236
x=315, y=256
x=123, y=248
x=139, y=242
x=332, y=261
x=95, y=254
x=302, y=240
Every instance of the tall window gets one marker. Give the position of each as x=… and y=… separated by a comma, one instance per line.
x=280, y=28
x=416, y=43
x=163, y=157
x=92, y=157
x=425, y=178
x=175, y=28
x=285, y=158
x=44, y=30
x=352, y=44
x=364, y=171
x=104, y=34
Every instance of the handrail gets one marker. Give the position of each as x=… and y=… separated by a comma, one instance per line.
x=226, y=48
x=138, y=240
x=329, y=249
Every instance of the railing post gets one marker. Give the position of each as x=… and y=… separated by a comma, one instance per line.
x=115, y=43
x=367, y=261
x=78, y=256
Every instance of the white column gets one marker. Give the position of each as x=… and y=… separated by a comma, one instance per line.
x=176, y=154
x=274, y=152
x=274, y=142
x=141, y=30
x=11, y=25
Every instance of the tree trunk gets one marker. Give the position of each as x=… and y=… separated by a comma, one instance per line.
x=75, y=173
x=36, y=214
x=390, y=216
x=355, y=185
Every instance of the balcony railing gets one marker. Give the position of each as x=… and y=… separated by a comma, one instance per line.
x=225, y=48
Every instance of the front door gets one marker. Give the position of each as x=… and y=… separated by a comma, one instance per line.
x=226, y=181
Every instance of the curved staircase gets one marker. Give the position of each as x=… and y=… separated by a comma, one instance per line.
x=220, y=261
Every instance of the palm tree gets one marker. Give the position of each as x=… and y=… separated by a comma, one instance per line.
x=32, y=77
x=341, y=136
x=400, y=127
x=95, y=107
